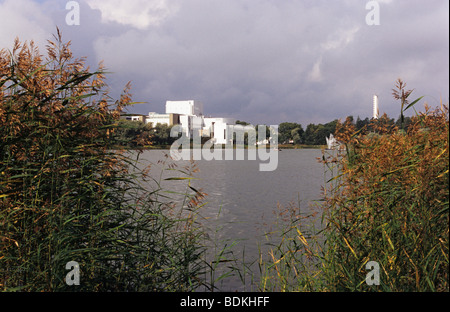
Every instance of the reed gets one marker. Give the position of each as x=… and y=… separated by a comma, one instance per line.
x=387, y=200
x=68, y=194
x=292, y=263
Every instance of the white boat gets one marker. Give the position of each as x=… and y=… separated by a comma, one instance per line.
x=332, y=143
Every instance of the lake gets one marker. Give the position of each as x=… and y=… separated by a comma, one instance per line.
x=241, y=201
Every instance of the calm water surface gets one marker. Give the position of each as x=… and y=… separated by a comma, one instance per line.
x=241, y=200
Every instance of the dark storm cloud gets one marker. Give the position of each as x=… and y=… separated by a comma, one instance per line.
x=261, y=61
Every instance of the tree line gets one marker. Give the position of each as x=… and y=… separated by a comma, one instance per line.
x=316, y=134
x=288, y=132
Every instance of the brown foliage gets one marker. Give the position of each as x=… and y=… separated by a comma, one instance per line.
x=66, y=192
x=389, y=202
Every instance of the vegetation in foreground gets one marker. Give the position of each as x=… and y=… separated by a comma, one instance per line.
x=387, y=201
x=67, y=195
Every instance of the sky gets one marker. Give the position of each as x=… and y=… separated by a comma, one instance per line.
x=261, y=61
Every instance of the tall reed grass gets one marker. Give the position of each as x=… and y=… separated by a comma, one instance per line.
x=387, y=201
x=67, y=193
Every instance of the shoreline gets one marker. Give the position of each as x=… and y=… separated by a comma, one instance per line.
x=280, y=146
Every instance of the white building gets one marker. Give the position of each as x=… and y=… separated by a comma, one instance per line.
x=133, y=117
x=189, y=108
x=191, y=123
x=155, y=118
x=216, y=128
x=189, y=114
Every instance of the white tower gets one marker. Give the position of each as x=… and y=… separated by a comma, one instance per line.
x=375, y=107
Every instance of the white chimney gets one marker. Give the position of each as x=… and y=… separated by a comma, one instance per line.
x=375, y=107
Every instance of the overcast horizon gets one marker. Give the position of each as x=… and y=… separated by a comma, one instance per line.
x=261, y=61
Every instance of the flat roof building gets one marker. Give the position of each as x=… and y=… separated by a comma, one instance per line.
x=189, y=114
x=190, y=108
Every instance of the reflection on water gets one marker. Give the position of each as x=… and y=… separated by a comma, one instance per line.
x=241, y=199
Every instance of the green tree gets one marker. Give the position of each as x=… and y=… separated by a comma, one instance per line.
x=317, y=134
x=310, y=134
x=132, y=134
x=240, y=122
x=361, y=123
x=288, y=130
x=296, y=135
x=161, y=134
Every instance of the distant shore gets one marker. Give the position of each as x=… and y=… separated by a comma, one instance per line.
x=280, y=146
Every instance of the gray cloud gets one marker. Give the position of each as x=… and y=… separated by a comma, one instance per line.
x=261, y=61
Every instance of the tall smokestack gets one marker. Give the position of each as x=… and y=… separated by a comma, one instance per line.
x=375, y=107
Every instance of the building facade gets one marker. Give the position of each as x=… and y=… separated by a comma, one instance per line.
x=155, y=118
x=189, y=114
x=189, y=108
x=217, y=128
